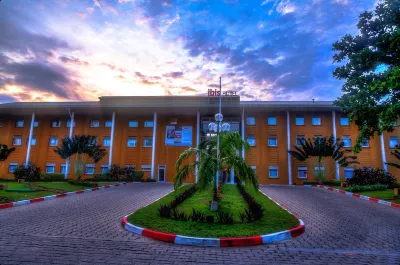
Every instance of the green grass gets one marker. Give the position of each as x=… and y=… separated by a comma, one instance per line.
x=61, y=186
x=275, y=219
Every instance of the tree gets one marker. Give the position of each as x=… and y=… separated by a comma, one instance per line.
x=83, y=147
x=396, y=154
x=321, y=150
x=5, y=152
x=371, y=71
x=207, y=165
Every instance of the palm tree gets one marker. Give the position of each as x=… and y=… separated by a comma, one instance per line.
x=207, y=164
x=5, y=152
x=84, y=147
x=322, y=148
x=396, y=154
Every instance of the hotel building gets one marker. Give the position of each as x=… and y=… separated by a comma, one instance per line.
x=151, y=132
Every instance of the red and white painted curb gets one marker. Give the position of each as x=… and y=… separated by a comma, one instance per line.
x=217, y=242
x=392, y=204
x=55, y=196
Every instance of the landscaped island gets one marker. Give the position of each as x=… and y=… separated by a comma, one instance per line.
x=236, y=217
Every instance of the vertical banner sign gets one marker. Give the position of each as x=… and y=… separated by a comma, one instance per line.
x=178, y=135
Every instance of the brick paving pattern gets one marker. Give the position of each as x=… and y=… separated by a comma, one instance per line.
x=85, y=229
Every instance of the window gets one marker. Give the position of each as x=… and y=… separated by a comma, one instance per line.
x=299, y=120
x=104, y=169
x=393, y=141
x=50, y=168
x=348, y=172
x=35, y=124
x=19, y=123
x=69, y=124
x=146, y=168
x=33, y=141
x=53, y=141
x=108, y=124
x=251, y=139
x=148, y=124
x=271, y=120
x=273, y=172
x=11, y=167
x=147, y=141
x=302, y=171
x=89, y=169
x=344, y=121
x=316, y=137
x=132, y=142
x=300, y=139
x=319, y=170
x=365, y=143
x=347, y=141
x=253, y=168
x=272, y=141
x=1, y=123
x=394, y=124
x=63, y=168
x=251, y=121
x=316, y=120
x=56, y=124
x=133, y=124
x=94, y=123
x=17, y=140
x=106, y=141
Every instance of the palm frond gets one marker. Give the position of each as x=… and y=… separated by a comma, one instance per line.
x=5, y=151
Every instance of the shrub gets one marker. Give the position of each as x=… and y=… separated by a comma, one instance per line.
x=332, y=182
x=255, y=209
x=198, y=216
x=84, y=183
x=310, y=182
x=100, y=177
x=177, y=215
x=53, y=177
x=165, y=211
x=225, y=218
x=367, y=176
x=138, y=176
x=28, y=172
x=210, y=219
x=129, y=172
x=115, y=172
x=367, y=188
x=150, y=180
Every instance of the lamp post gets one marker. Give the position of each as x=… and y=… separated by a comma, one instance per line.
x=217, y=127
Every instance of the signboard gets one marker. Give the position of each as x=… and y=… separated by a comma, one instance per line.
x=178, y=135
x=216, y=93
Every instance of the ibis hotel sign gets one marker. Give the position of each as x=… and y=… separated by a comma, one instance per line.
x=217, y=93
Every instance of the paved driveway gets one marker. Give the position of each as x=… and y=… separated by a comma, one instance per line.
x=85, y=229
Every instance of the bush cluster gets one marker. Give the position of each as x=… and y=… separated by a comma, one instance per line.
x=117, y=173
x=367, y=188
x=29, y=172
x=166, y=210
x=255, y=211
x=368, y=176
x=52, y=177
x=84, y=183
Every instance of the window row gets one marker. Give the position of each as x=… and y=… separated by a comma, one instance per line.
x=53, y=141
x=273, y=140
x=93, y=123
x=299, y=120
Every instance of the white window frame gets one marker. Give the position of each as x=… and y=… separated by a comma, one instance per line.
x=133, y=124
x=301, y=169
x=348, y=169
x=104, y=169
x=273, y=168
x=17, y=137
x=105, y=138
x=94, y=123
x=19, y=124
x=273, y=137
x=68, y=124
x=33, y=141
x=12, y=164
x=131, y=138
x=299, y=117
x=108, y=124
x=274, y=119
x=300, y=137
x=148, y=124
x=35, y=124
x=393, y=138
x=250, y=121
x=251, y=136
x=89, y=166
x=254, y=168
x=346, y=137
x=53, y=137
x=61, y=168
x=318, y=118
x=145, y=168
x=50, y=166
x=147, y=138
x=365, y=144
x=55, y=124
x=344, y=118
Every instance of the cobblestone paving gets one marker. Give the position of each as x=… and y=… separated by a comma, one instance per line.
x=85, y=229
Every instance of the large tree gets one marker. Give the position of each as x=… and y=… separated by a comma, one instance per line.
x=5, y=152
x=371, y=71
x=82, y=148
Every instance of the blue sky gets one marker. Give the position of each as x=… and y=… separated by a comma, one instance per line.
x=83, y=49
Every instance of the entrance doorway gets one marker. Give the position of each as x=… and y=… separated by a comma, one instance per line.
x=161, y=173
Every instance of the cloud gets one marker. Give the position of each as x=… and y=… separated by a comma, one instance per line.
x=174, y=74
x=74, y=61
x=147, y=80
x=6, y=98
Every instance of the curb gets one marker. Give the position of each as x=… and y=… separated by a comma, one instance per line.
x=217, y=242
x=55, y=196
x=392, y=204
